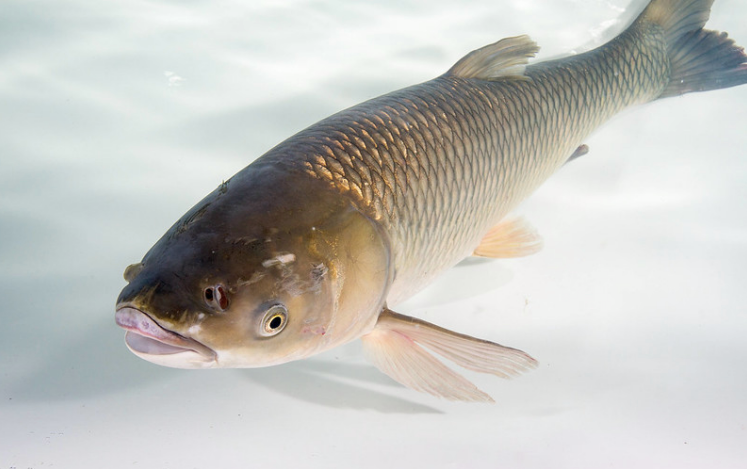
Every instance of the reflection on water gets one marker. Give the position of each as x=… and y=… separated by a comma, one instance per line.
x=117, y=116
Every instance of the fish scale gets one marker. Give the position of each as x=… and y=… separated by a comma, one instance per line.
x=438, y=164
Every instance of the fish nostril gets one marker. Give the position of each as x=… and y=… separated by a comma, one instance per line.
x=216, y=297
x=222, y=297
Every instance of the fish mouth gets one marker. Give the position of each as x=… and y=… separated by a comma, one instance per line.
x=150, y=341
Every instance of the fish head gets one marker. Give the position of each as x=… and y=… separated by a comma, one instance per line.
x=260, y=277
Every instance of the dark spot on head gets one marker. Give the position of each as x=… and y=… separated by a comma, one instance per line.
x=255, y=245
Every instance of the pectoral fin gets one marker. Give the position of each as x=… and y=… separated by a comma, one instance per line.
x=510, y=238
x=394, y=346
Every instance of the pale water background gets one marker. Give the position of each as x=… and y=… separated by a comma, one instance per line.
x=117, y=116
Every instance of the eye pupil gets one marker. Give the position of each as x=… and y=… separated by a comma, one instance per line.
x=209, y=294
x=276, y=322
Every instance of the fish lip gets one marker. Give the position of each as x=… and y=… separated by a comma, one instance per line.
x=146, y=338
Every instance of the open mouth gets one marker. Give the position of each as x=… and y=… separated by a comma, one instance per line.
x=148, y=340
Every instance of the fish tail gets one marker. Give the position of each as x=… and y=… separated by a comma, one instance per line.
x=699, y=59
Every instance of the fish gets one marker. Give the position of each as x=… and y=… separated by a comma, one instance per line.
x=311, y=245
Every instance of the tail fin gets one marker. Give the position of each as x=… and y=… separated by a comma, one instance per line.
x=700, y=60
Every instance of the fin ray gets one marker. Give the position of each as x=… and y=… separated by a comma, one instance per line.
x=506, y=58
x=407, y=363
x=700, y=59
x=514, y=237
x=469, y=352
x=394, y=347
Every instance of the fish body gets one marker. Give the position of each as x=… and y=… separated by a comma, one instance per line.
x=308, y=247
x=440, y=163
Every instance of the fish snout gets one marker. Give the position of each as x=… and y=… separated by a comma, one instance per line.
x=151, y=341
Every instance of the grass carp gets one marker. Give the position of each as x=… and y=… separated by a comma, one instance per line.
x=310, y=246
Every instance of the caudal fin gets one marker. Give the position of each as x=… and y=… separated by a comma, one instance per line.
x=700, y=59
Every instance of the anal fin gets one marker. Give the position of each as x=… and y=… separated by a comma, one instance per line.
x=510, y=238
x=580, y=151
x=394, y=347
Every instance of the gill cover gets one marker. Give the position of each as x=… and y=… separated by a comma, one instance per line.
x=271, y=267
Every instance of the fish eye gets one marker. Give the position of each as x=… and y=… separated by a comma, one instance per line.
x=274, y=321
x=216, y=297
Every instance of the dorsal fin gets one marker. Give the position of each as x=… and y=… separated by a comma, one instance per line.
x=503, y=59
